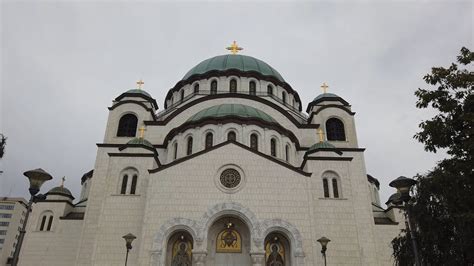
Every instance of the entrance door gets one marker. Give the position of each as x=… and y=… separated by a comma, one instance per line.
x=229, y=243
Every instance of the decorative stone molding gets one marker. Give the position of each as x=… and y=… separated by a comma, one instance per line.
x=173, y=225
x=258, y=258
x=229, y=208
x=287, y=229
x=199, y=258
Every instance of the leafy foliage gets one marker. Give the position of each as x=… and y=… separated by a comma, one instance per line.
x=443, y=205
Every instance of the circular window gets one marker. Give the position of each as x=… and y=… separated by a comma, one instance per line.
x=230, y=178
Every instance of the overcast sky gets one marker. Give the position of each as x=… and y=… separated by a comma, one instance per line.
x=63, y=63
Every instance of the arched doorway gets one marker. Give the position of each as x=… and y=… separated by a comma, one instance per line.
x=179, y=249
x=228, y=242
x=277, y=250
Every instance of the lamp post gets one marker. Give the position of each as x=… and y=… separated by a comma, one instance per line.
x=403, y=185
x=36, y=177
x=324, y=243
x=128, y=244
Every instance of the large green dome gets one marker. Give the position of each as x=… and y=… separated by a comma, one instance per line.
x=239, y=62
x=238, y=110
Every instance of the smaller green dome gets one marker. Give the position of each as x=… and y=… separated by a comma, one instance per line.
x=60, y=190
x=140, y=141
x=238, y=110
x=139, y=91
x=325, y=95
x=321, y=145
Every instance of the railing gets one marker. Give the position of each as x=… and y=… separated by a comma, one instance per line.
x=174, y=106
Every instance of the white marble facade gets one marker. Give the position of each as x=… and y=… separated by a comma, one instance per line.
x=178, y=194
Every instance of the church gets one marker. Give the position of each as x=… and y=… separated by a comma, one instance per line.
x=231, y=171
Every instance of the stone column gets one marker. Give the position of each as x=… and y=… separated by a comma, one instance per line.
x=199, y=258
x=258, y=258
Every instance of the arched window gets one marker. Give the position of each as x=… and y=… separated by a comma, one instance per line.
x=175, y=150
x=127, y=126
x=270, y=90
x=214, y=87
x=123, y=189
x=287, y=153
x=335, y=188
x=196, y=88
x=233, y=86
x=209, y=140
x=181, y=95
x=326, y=188
x=189, y=149
x=254, y=141
x=50, y=223
x=231, y=136
x=331, y=185
x=335, y=129
x=43, y=221
x=133, y=188
x=179, y=249
x=273, y=147
x=252, y=88
x=127, y=187
x=283, y=96
x=46, y=221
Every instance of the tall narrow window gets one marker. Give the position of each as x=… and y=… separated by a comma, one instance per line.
x=335, y=129
x=335, y=189
x=43, y=221
x=233, y=86
x=326, y=188
x=269, y=90
x=123, y=190
x=252, y=88
x=214, y=87
x=127, y=126
x=283, y=96
x=273, y=147
x=181, y=95
x=231, y=136
x=209, y=140
x=175, y=150
x=189, y=149
x=254, y=142
x=50, y=223
x=287, y=153
x=133, y=188
x=196, y=88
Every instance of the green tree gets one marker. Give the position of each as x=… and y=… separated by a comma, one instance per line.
x=443, y=202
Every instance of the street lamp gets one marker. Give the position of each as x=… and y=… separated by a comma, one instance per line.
x=128, y=244
x=36, y=177
x=403, y=185
x=324, y=243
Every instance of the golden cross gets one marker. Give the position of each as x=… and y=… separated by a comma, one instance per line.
x=142, y=130
x=321, y=135
x=62, y=181
x=140, y=84
x=234, y=48
x=324, y=87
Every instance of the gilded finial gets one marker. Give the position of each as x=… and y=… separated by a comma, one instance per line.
x=140, y=84
x=321, y=135
x=324, y=87
x=142, y=130
x=62, y=181
x=234, y=48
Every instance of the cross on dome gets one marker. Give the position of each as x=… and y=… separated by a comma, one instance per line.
x=324, y=87
x=140, y=84
x=234, y=48
x=62, y=181
x=142, y=130
x=321, y=135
